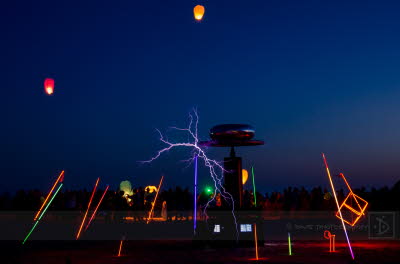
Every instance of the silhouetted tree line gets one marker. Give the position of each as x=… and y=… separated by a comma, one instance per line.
x=179, y=199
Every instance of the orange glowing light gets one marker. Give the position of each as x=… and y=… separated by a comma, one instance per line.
x=49, y=86
x=331, y=238
x=120, y=248
x=198, y=12
x=255, y=240
x=155, y=200
x=347, y=207
x=245, y=176
x=151, y=189
x=59, y=179
x=87, y=210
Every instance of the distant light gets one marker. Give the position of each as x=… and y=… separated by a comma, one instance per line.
x=245, y=176
x=49, y=86
x=217, y=229
x=198, y=12
x=244, y=228
x=209, y=190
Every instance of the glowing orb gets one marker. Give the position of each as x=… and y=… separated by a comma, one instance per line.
x=327, y=196
x=198, y=12
x=208, y=190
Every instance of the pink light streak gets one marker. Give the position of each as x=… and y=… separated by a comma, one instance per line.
x=338, y=206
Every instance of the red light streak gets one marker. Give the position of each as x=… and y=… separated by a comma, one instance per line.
x=59, y=179
x=155, y=199
x=90, y=201
x=97, y=207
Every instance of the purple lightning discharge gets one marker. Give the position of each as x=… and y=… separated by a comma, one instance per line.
x=212, y=165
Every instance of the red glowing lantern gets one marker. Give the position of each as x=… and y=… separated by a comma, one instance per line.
x=49, y=86
x=198, y=12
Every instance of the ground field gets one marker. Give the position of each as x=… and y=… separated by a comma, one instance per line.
x=146, y=252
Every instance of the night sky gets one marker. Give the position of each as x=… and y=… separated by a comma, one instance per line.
x=310, y=76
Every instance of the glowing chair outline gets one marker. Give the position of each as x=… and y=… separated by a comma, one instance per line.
x=331, y=238
x=359, y=211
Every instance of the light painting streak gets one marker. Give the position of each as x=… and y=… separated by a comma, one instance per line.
x=155, y=200
x=48, y=195
x=331, y=238
x=255, y=240
x=87, y=210
x=290, y=245
x=254, y=187
x=120, y=248
x=212, y=165
x=361, y=209
x=41, y=215
x=97, y=207
x=337, y=204
x=195, y=196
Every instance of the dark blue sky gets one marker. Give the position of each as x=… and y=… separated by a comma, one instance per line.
x=310, y=76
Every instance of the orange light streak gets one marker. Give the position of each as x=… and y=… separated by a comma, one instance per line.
x=155, y=199
x=120, y=248
x=48, y=195
x=90, y=201
x=97, y=207
x=255, y=240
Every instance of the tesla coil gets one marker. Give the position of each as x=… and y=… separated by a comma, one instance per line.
x=231, y=136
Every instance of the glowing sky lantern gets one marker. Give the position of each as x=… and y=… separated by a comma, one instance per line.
x=245, y=176
x=49, y=86
x=198, y=12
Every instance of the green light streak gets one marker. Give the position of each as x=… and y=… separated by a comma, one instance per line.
x=254, y=187
x=30, y=232
x=290, y=245
x=41, y=215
